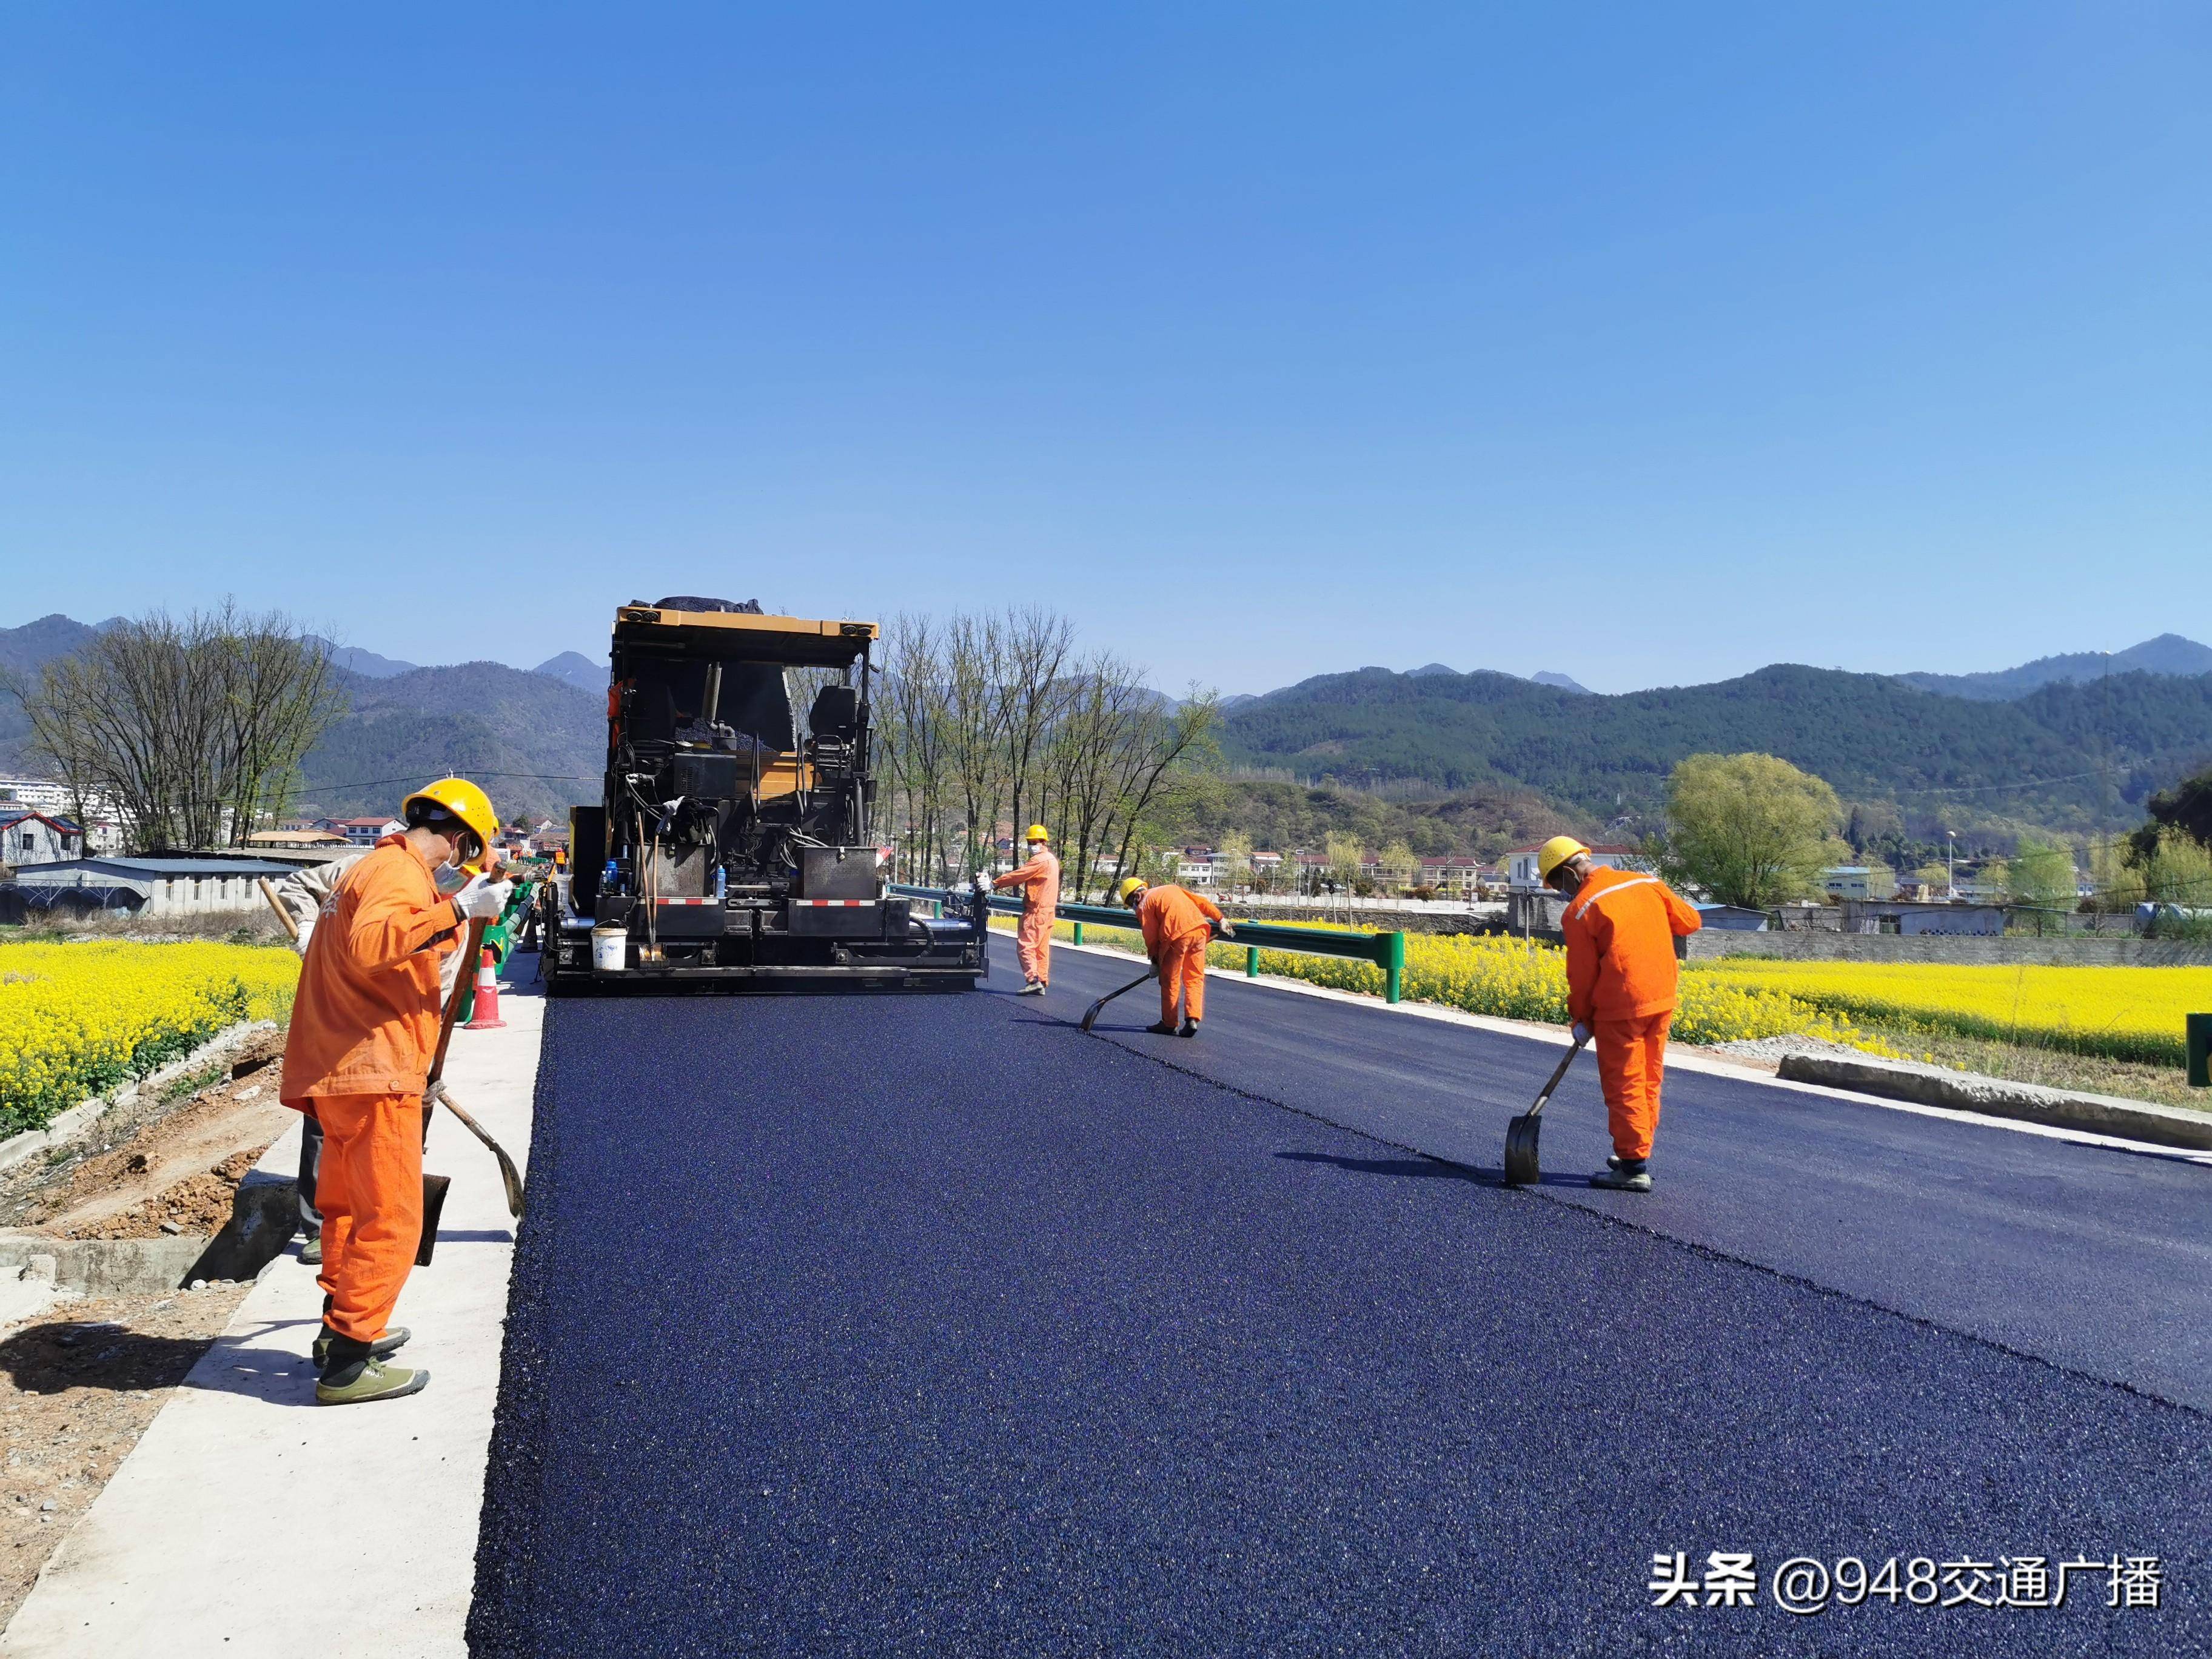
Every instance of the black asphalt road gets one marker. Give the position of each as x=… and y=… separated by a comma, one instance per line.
x=931, y=1326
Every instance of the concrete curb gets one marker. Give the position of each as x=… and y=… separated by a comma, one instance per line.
x=1991, y=1096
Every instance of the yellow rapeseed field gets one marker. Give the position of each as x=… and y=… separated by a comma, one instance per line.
x=1522, y=979
x=2120, y=1013
x=76, y=1019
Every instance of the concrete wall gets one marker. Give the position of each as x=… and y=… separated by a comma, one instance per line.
x=2117, y=952
x=178, y=896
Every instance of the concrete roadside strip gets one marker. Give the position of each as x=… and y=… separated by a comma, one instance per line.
x=2031, y=1102
x=1960, y=1096
x=248, y=1521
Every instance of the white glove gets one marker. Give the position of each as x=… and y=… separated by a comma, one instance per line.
x=481, y=897
x=1581, y=1033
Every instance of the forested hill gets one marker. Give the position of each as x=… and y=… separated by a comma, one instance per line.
x=1870, y=736
x=523, y=735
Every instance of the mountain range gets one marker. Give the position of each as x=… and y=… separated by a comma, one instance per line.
x=2069, y=754
x=536, y=737
x=2066, y=741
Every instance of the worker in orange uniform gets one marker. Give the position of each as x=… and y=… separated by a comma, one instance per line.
x=1177, y=924
x=364, y=1023
x=1620, y=928
x=1039, y=880
x=301, y=897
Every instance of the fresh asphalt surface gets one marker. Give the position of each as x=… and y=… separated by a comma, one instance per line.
x=931, y=1326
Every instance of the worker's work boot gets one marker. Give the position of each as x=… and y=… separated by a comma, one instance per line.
x=1034, y=988
x=1624, y=1174
x=1161, y=1028
x=386, y=1345
x=1189, y=1029
x=311, y=1251
x=360, y=1381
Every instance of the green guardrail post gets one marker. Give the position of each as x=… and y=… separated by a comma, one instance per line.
x=1251, y=962
x=1078, y=932
x=1394, y=966
x=2199, y=1027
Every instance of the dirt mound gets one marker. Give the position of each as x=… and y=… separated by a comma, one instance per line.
x=178, y=1160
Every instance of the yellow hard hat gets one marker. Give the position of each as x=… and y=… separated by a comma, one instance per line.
x=1037, y=832
x=1129, y=884
x=1556, y=851
x=462, y=799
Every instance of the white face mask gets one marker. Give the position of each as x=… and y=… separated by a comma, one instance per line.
x=1038, y=846
x=450, y=878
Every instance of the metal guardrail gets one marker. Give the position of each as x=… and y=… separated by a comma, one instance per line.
x=1386, y=951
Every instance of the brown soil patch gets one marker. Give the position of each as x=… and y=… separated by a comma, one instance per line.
x=78, y=1386
x=176, y=1160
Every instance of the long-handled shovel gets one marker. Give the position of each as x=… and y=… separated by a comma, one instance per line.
x=291, y=927
x=1097, y=1007
x=1521, y=1134
x=434, y=1092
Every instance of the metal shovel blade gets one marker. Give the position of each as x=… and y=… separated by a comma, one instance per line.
x=1091, y=1015
x=1520, y=1135
x=434, y=1204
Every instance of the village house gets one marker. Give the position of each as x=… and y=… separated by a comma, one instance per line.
x=1521, y=863
x=30, y=836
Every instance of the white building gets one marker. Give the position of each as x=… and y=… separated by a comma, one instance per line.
x=1521, y=863
x=159, y=886
x=102, y=824
x=1859, y=881
x=30, y=836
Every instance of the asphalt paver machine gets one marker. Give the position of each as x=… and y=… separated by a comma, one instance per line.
x=732, y=848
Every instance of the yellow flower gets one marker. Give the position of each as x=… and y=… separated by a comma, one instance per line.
x=78, y=1019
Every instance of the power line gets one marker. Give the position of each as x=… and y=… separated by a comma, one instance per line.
x=1983, y=788
x=372, y=783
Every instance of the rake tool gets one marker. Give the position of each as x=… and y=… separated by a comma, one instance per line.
x=1521, y=1170
x=1098, y=1007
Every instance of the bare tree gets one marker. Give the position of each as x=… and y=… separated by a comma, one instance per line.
x=1102, y=727
x=1169, y=744
x=1034, y=648
x=195, y=727
x=279, y=697
x=975, y=723
x=914, y=736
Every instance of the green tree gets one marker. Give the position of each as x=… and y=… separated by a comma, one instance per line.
x=1232, y=864
x=1750, y=830
x=2043, y=874
x=1345, y=855
x=1397, y=866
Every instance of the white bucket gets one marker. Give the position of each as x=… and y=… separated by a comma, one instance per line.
x=610, y=950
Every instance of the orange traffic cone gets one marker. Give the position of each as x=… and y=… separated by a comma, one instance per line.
x=484, y=1015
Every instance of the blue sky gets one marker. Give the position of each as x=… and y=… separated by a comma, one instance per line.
x=1650, y=344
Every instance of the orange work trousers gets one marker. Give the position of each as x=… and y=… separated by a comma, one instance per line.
x=1183, y=976
x=1033, y=945
x=370, y=1191
x=1632, y=1055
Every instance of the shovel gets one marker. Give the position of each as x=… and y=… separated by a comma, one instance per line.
x=1521, y=1134
x=433, y=1091
x=508, y=1175
x=1098, y=1007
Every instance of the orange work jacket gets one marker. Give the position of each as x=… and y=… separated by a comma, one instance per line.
x=1169, y=912
x=365, y=1018
x=1039, y=880
x=1620, y=930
